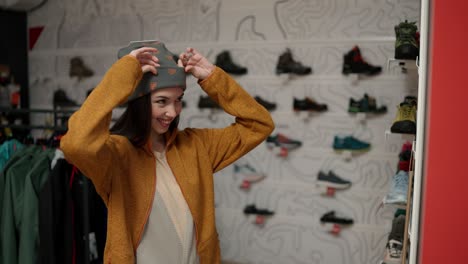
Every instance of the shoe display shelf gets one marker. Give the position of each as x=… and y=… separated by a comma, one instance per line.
x=392, y=140
x=405, y=65
x=409, y=204
x=411, y=237
x=58, y=114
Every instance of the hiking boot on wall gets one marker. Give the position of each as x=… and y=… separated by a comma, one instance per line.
x=62, y=100
x=308, y=104
x=286, y=64
x=406, y=43
x=268, y=105
x=79, y=69
x=224, y=61
x=393, y=251
x=405, y=120
x=206, y=102
x=366, y=105
x=405, y=156
x=354, y=63
x=394, y=246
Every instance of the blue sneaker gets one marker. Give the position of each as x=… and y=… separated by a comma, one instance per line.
x=398, y=189
x=349, y=143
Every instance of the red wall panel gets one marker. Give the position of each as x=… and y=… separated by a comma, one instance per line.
x=444, y=229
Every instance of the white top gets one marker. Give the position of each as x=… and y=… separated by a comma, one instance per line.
x=169, y=235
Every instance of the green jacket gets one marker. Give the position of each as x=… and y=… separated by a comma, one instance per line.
x=19, y=226
x=124, y=175
x=34, y=181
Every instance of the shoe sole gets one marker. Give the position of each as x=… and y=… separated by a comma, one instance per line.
x=282, y=145
x=406, y=52
x=404, y=127
x=352, y=150
x=333, y=185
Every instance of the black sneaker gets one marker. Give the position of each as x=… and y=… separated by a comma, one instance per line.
x=207, y=102
x=251, y=209
x=406, y=43
x=224, y=61
x=330, y=217
x=286, y=64
x=308, y=104
x=332, y=180
x=268, y=105
x=354, y=63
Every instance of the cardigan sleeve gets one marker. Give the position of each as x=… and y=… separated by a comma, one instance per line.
x=253, y=123
x=88, y=144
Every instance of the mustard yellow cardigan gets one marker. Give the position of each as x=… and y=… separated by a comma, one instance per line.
x=124, y=175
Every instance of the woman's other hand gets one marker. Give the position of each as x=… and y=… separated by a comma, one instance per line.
x=195, y=63
x=145, y=56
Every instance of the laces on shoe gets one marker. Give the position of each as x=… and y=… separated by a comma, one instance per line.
x=406, y=112
x=401, y=181
x=394, y=249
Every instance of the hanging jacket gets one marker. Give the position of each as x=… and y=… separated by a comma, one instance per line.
x=28, y=249
x=7, y=149
x=12, y=204
x=56, y=216
x=71, y=218
x=124, y=175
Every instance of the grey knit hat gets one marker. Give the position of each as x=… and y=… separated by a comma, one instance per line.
x=169, y=73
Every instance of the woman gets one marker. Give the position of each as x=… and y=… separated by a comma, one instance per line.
x=157, y=181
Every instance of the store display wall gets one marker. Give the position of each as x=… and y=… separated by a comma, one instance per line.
x=256, y=33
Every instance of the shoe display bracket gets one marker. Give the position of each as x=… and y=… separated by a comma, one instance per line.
x=347, y=155
x=306, y=115
x=354, y=78
x=404, y=64
x=407, y=137
x=361, y=118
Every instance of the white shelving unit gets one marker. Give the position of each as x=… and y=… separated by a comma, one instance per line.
x=419, y=146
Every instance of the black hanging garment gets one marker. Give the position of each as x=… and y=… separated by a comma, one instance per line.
x=72, y=218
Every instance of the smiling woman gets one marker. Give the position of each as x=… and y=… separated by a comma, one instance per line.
x=171, y=221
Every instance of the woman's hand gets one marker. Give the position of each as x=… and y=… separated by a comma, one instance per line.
x=145, y=56
x=192, y=61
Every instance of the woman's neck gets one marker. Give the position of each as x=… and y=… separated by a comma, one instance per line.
x=159, y=142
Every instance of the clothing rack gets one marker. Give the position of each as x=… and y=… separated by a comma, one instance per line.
x=63, y=194
x=58, y=114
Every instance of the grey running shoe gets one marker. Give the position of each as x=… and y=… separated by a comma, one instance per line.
x=332, y=180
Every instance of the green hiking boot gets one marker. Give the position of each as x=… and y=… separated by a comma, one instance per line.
x=405, y=120
x=367, y=104
x=406, y=44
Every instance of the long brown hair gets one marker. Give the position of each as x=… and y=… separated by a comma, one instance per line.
x=135, y=122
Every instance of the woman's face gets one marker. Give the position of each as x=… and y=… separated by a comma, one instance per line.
x=166, y=104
